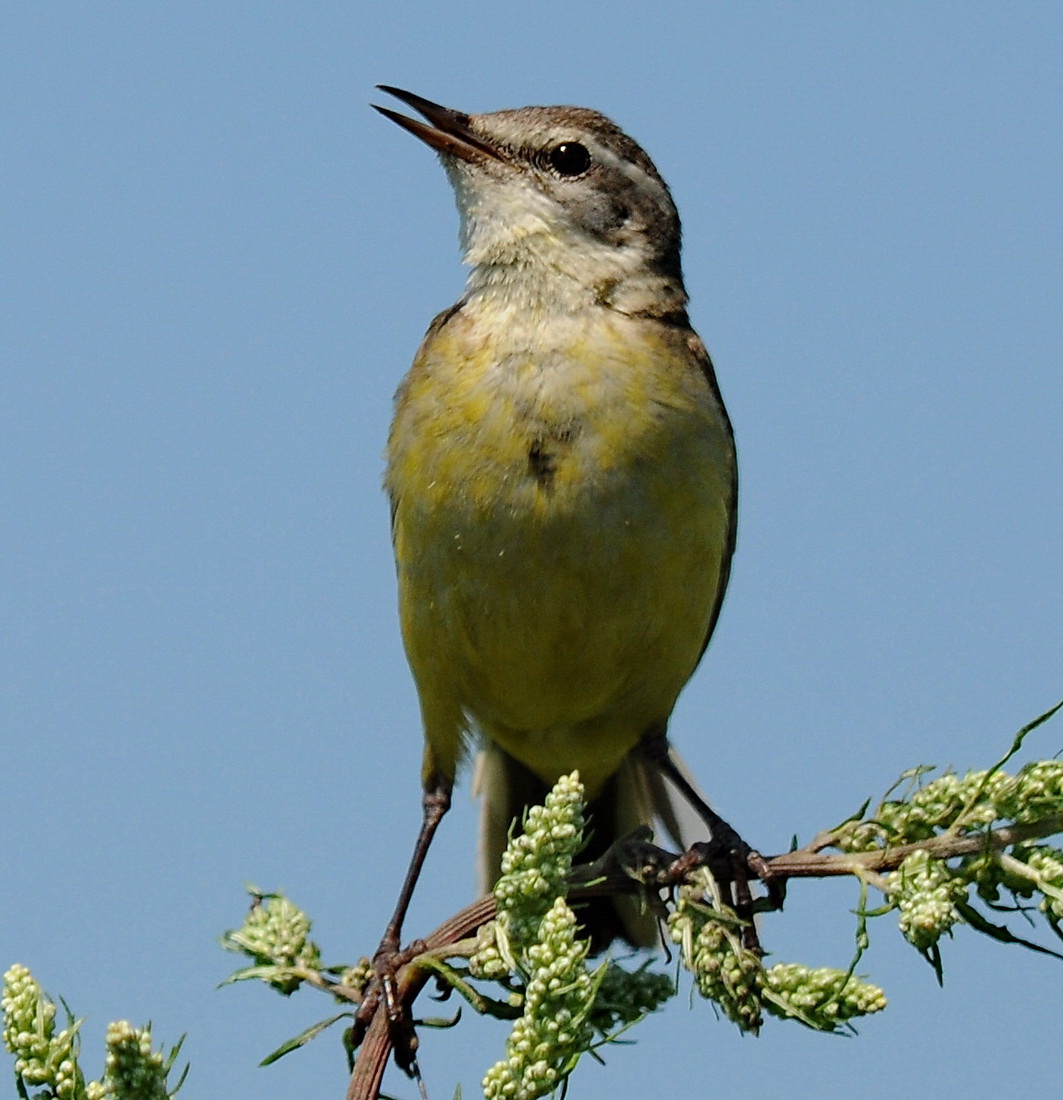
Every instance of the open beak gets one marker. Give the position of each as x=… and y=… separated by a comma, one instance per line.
x=450, y=131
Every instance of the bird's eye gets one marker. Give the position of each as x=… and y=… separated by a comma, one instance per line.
x=569, y=158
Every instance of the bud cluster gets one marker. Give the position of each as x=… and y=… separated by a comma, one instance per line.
x=925, y=893
x=276, y=936
x=725, y=971
x=931, y=896
x=548, y=1039
x=821, y=997
x=45, y=1057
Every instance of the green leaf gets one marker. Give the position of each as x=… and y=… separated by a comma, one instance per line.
x=302, y=1039
x=932, y=954
x=1021, y=735
x=270, y=973
x=999, y=932
x=480, y=1002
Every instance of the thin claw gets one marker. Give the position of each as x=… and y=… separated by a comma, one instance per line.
x=420, y=1080
x=743, y=899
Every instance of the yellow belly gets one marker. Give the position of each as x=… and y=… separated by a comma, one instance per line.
x=560, y=524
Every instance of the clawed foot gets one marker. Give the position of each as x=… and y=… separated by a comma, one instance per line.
x=729, y=859
x=734, y=864
x=383, y=994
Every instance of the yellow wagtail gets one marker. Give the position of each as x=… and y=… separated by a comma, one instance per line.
x=562, y=479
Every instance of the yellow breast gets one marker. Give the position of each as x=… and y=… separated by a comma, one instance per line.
x=561, y=523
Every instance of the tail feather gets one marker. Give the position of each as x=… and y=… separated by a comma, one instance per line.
x=636, y=795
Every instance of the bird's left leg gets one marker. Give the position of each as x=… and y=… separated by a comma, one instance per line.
x=726, y=854
x=389, y=956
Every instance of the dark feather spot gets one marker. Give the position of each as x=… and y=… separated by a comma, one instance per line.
x=542, y=464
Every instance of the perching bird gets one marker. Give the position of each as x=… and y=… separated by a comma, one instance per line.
x=562, y=479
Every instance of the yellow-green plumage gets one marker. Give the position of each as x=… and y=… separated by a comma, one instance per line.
x=557, y=604
x=561, y=472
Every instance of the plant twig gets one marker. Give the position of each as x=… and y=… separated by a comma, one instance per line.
x=635, y=865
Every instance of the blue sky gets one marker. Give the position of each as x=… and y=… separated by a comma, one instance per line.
x=217, y=263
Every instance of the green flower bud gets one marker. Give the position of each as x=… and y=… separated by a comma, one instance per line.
x=275, y=934
x=725, y=972
x=554, y=1030
x=822, y=997
x=133, y=1070
x=925, y=892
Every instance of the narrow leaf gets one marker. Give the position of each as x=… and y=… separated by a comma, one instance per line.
x=301, y=1040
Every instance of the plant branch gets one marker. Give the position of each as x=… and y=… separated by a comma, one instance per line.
x=810, y=863
x=635, y=864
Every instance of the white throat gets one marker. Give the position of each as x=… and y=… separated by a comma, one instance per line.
x=527, y=257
